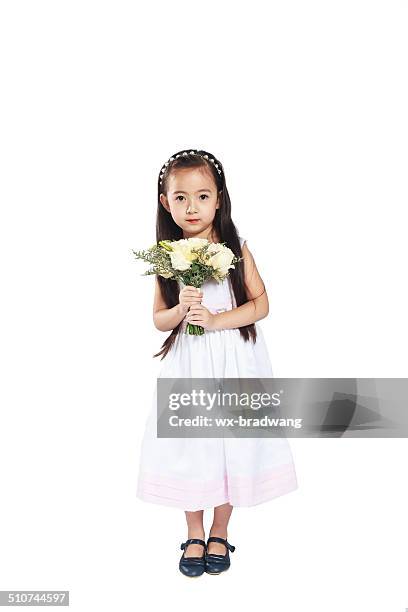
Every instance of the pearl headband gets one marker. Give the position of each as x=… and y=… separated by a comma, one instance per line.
x=210, y=159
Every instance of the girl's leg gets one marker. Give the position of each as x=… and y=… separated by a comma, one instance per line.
x=219, y=528
x=195, y=530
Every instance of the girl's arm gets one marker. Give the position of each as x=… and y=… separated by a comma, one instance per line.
x=258, y=305
x=164, y=318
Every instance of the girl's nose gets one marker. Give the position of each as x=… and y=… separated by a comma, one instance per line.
x=191, y=207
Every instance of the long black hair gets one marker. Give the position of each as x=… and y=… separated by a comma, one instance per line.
x=167, y=229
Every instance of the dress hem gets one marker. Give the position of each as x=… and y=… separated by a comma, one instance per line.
x=157, y=500
x=238, y=498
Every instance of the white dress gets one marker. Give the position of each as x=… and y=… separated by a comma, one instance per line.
x=197, y=473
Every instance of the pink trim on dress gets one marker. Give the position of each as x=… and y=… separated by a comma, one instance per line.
x=194, y=495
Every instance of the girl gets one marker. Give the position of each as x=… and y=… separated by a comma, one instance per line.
x=197, y=473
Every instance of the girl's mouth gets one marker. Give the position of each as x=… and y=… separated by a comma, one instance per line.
x=192, y=220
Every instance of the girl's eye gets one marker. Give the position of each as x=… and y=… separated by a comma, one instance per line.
x=203, y=195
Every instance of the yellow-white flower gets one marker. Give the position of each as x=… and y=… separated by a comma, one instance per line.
x=221, y=258
x=196, y=243
x=181, y=255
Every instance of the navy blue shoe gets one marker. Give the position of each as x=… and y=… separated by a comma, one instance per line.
x=192, y=566
x=215, y=564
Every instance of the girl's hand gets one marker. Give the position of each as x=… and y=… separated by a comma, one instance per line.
x=200, y=315
x=189, y=296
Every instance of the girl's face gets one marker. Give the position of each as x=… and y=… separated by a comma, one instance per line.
x=192, y=194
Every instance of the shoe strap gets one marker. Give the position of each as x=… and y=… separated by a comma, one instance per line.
x=221, y=541
x=193, y=541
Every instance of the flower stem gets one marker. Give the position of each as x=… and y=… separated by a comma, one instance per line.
x=195, y=330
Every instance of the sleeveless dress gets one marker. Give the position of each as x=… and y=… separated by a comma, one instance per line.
x=197, y=473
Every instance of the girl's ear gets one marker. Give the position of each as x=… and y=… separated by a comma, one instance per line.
x=164, y=202
x=219, y=199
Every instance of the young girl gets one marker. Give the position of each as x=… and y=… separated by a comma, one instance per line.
x=197, y=473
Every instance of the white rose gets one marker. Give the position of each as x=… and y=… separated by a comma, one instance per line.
x=215, y=247
x=179, y=261
x=197, y=242
x=222, y=260
x=181, y=255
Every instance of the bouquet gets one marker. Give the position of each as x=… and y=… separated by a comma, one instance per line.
x=190, y=260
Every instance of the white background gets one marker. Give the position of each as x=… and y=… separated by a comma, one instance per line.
x=305, y=104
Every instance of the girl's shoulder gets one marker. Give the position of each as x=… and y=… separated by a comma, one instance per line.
x=241, y=241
